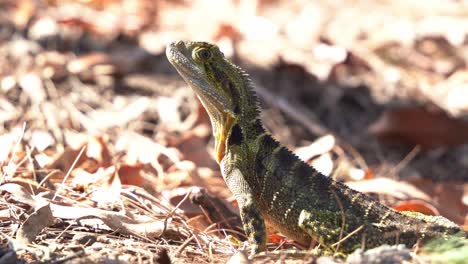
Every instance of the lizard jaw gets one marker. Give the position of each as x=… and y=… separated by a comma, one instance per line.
x=220, y=113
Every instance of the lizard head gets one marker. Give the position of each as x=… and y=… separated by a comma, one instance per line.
x=206, y=70
x=216, y=81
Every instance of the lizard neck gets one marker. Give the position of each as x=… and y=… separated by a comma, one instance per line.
x=242, y=129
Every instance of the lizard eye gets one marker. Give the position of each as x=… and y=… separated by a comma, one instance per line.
x=202, y=54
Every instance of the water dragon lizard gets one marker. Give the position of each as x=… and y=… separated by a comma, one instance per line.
x=271, y=184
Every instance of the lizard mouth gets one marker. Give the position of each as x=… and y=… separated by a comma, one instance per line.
x=176, y=53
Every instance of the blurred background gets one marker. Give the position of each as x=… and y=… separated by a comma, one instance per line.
x=373, y=93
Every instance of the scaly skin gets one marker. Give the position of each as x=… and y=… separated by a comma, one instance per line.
x=273, y=185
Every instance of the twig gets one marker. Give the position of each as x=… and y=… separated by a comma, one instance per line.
x=343, y=219
x=404, y=161
x=69, y=171
x=349, y=235
x=296, y=112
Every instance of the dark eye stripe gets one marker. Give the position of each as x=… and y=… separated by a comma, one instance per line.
x=227, y=85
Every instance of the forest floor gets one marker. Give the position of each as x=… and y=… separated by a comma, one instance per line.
x=106, y=154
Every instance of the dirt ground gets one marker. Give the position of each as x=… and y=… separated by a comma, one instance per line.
x=107, y=156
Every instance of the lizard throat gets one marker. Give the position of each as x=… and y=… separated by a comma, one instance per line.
x=221, y=136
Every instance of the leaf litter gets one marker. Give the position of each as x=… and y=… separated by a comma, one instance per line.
x=104, y=148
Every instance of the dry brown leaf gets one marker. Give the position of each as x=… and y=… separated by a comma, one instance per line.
x=416, y=206
x=96, y=149
x=193, y=145
x=35, y=223
x=131, y=174
x=104, y=183
x=416, y=126
x=140, y=149
x=7, y=215
x=399, y=190
x=217, y=211
x=199, y=222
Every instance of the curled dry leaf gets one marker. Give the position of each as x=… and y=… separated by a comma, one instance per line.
x=399, y=190
x=97, y=154
x=320, y=146
x=416, y=126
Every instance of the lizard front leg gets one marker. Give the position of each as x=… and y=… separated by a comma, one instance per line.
x=253, y=223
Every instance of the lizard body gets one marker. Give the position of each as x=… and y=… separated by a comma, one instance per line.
x=273, y=185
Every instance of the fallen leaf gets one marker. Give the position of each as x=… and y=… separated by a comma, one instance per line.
x=96, y=148
x=199, y=222
x=109, y=189
x=417, y=126
x=416, y=206
x=131, y=174
x=32, y=85
x=399, y=190
x=131, y=224
x=193, y=146
x=140, y=149
x=41, y=140
x=323, y=164
x=320, y=146
x=35, y=223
